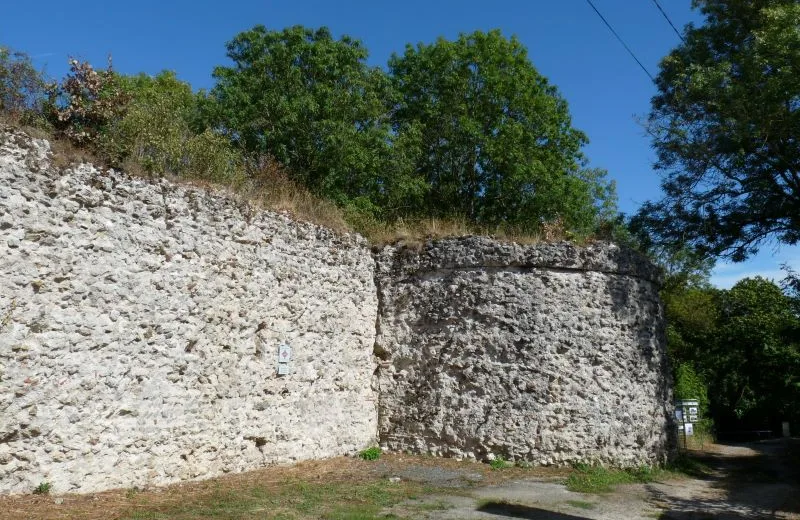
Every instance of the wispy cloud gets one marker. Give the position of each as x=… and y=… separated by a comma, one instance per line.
x=728, y=280
x=766, y=265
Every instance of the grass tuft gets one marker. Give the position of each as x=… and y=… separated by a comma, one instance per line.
x=500, y=463
x=599, y=479
x=42, y=489
x=373, y=453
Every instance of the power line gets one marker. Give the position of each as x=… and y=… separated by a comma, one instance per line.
x=669, y=21
x=621, y=41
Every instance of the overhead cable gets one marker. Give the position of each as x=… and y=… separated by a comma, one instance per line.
x=669, y=21
x=621, y=41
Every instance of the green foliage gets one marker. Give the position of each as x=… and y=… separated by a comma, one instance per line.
x=500, y=463
x=758, y=356
x=311, y=102
x=689, y=385
x=599, y=479
x=466, y=129
x=42, y=489
x=156, y=132
x=85, y=103
x=373, y=453
x=154, y=129
x=737, y=351
x=466, y=132
x=491, y=139
x=725, y=123
x=22, y=87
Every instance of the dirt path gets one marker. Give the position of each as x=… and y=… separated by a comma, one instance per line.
x=756, y=481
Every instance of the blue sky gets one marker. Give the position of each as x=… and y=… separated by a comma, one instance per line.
x=567, y=42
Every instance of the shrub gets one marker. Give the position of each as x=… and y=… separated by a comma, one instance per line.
x=373, y=453
x=155, y=135
x=86, y=103
x=42, y=489
x=211, y=157
x=22, y=87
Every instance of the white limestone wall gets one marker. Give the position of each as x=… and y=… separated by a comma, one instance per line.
x=139, y=331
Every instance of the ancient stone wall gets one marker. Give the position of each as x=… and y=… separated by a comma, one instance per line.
x=548, y=353
x=141, y=320
x=140, y=323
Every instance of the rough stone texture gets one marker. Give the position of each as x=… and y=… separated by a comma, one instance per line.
x=548, y=353
x=140, y=324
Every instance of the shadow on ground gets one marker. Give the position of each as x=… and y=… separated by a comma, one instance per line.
x=507, y=510
x=754, y=480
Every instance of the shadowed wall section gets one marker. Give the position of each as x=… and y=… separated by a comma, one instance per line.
x=550, y=353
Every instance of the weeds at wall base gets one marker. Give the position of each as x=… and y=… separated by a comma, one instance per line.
x=373, y=453
x=42, y=489
x=599, y=479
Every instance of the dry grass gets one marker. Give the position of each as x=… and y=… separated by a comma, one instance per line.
x=18, y=123
x=66, y=155
x=265, y=184
x=413, y=233
x=342, y=487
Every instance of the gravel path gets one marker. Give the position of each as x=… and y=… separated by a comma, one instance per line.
x=755, y=481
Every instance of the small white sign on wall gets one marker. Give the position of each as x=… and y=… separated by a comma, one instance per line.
x=688, y=429
x=284, y=357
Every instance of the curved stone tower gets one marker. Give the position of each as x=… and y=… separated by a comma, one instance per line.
x=549, y=353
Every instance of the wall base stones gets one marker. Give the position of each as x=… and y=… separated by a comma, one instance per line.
x=549, y=353
x=139, y=331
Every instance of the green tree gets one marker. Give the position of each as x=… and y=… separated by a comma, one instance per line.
x=311, y=102
x=494, y=140
x=86, y=103
x=158, y=131
x=756, y=361
x=737, y=350
x=22, y=87
x=692, y=315
x=724, y=124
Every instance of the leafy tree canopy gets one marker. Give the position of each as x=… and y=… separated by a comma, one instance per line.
x=22, y=87
x=159, y=131
x=495, y=141
x=725, y=125
x=311, y=102
x=743, y=345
